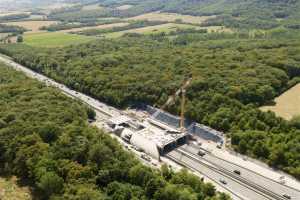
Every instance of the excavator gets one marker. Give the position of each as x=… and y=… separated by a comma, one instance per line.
x=172, y=98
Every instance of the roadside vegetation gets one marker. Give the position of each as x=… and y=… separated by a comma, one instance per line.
x=231, y=79
x=46, y=141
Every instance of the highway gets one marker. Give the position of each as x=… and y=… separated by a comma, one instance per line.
x=256, y=178
x=209, y=165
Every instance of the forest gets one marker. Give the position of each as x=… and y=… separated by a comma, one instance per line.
x=46, y=141
x=231, y=78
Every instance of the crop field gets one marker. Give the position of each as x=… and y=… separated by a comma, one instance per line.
x=55, y=39
x=34, y=26
x=152, y=29
x=287, y=105
x=124, y=7
x=9, y=190
x=104, y=26
x=172, y=17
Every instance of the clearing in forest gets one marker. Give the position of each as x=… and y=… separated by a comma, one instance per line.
x=54, y=39
x=33, y=26
x=172, y=17
x=152, y=29
x=9, y=190
x=104, y=26
x=287, y=105
x=124, y=7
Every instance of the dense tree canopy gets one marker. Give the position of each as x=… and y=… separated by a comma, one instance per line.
x=45, y=139
x=231, y=78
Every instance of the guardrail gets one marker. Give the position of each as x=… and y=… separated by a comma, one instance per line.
x=250, y=185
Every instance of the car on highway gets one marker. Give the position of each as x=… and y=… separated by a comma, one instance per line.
x=145, y=157
x=223, y=181
x=287, y=196
x=237, y=172
x=201, y=153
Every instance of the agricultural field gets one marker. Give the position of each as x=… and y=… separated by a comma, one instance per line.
x=92, y=7
x=9, y=190
x=286, y=105
x=124, y=7
x=172, y=17
x=103, y=26
x=33, y=26
x=3, y=35
x=54, y=39
x=152, y=29
x=6, y=13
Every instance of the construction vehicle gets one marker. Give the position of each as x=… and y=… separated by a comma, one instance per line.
x=172, y=98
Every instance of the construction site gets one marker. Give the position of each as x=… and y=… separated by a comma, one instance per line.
x=157, y=132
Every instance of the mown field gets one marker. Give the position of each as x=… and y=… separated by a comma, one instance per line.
x=55, y=39
x=33, y=26
x=286, y=105
x=9, y=190
x=171, y=17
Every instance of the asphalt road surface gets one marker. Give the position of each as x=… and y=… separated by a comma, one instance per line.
x=252, y=176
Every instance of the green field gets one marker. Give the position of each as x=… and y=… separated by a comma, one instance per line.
x=167, y=28
x=54, y=39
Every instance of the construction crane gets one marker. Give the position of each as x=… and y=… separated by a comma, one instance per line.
x=171, y=100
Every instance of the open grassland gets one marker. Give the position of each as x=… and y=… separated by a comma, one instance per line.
x=104, y=26
x=92, y=7
x=9, y=190
x=172, y=17
x=33, y=26
x=167, y=28
x=287, y=105
x=124, y=7
x=55, y=39
x=152, y=29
